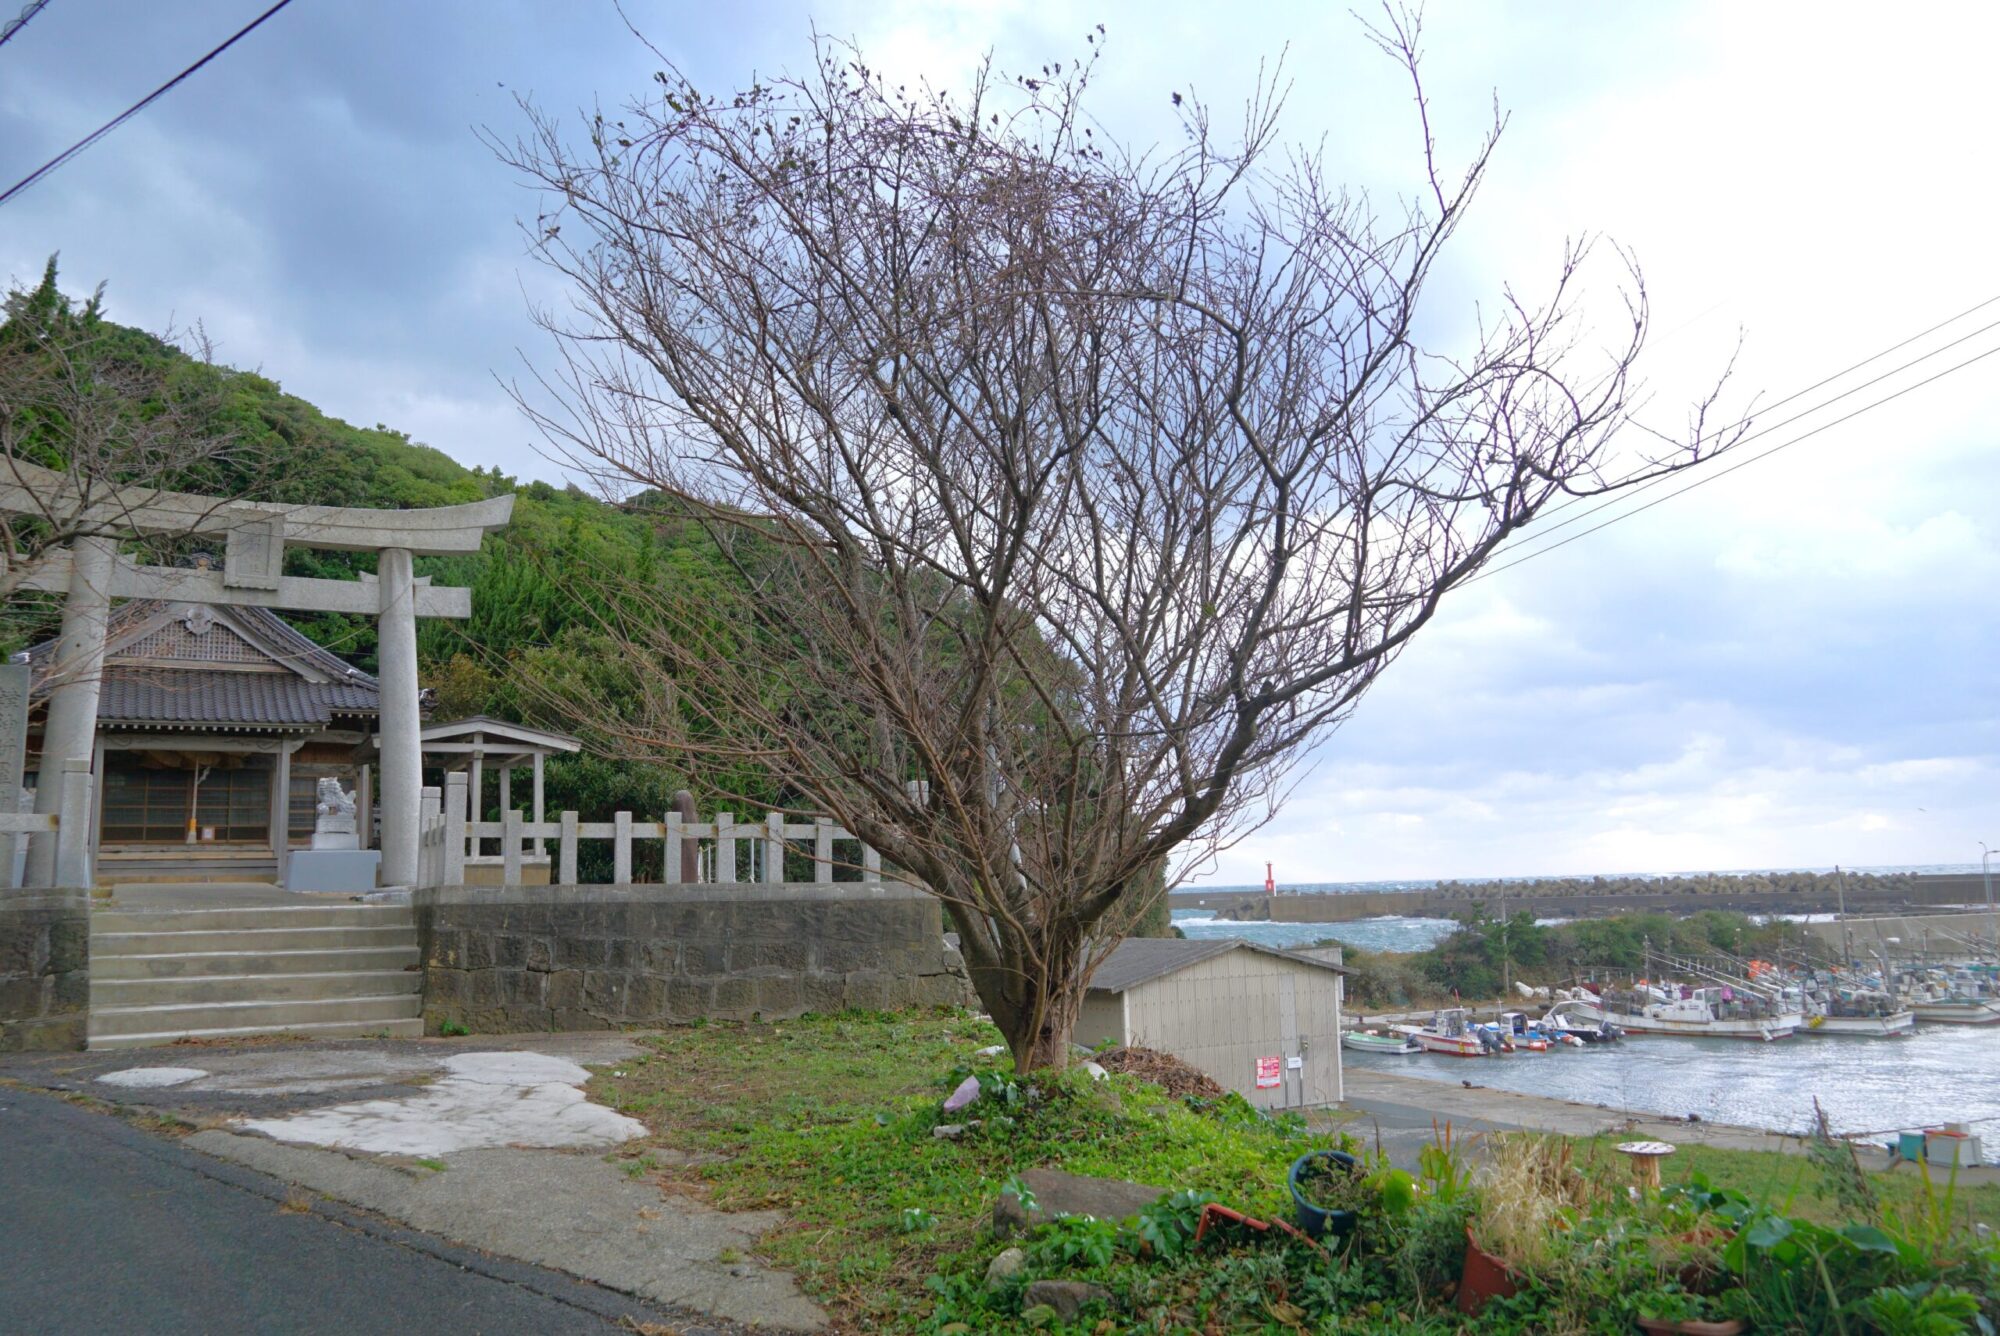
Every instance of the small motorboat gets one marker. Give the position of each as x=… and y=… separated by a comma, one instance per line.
x=1520, y=1033
x=1575, y=1022
x=1453, y=1033
x=1372, y=1041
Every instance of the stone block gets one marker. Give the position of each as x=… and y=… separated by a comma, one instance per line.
x=604, y=991
x=479, y=951
x=1058, y=1193
x=510, y=951
x=780, y=995
x=68, y=946
x=735, y=998
x=443, y=988
x=844, y=957
x=482, y=989
x=621, y=953
x=704, y=958
x=53, y=1034
x=825, y=993
x=769, y=957
x=564, y=990
x=23, y=998
x=690, y=999
x=646, y=998
x=538, y=953
x=660, y=956
x=71, y=992
x=867, y=990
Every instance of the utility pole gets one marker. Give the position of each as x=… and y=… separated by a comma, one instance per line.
x=1846, y=939
x=1986, y=872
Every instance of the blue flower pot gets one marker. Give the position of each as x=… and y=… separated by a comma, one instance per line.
x=1316, y=1221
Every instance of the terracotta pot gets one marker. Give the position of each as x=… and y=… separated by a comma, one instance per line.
x=1654, y=1326
x=1485, y=1277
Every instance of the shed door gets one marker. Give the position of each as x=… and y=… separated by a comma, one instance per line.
x=1294, y=1087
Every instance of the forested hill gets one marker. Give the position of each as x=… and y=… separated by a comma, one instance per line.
x=538, y=590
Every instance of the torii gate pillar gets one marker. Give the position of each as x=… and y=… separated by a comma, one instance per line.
x=70, y=730
x=401, y=720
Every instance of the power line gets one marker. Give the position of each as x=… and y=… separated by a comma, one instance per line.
x=15, y=25
x=1741, y=463
x=136, y=107
x=1615, y=497
x=1568, y=502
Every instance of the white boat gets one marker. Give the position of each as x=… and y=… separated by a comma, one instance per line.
x=1954, y=996
x=1370, y=1041
x=1832, y=1008
x=1888, y=1025
x=1713, y=1012
x=1578, y=1022
x=1452, y=1033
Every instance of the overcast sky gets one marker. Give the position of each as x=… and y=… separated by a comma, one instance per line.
x=1789, y=666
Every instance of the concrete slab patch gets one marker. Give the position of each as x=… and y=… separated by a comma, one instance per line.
x=484, y=1099
x=152, y=1078
x=571, y=1212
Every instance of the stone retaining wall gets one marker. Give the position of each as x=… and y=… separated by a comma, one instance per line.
x=44, y=969
x=509, y=958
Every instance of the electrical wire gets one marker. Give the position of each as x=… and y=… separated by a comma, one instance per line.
x=136, y=107
x=1739, y=464
x=1746, y=420
x=20, y=21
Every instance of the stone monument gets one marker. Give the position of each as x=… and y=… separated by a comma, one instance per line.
x=336, y=861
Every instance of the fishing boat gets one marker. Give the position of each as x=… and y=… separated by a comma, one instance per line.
x=1371, y=1041
x=1716, y=1011
x=1522, y=1034
x=1452, y=1033
x=1964, y=996
x=1837, y=1005
x=1568, y=1021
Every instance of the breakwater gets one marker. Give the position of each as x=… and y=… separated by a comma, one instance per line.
x=1904, y=893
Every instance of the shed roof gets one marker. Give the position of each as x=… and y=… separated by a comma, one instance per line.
x=1138, y=960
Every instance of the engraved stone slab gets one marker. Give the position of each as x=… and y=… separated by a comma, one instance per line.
x=13, y=753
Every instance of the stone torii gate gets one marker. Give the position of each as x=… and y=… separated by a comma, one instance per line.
x=91, y=572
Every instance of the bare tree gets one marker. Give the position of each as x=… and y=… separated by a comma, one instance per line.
x=1076, y=490
x=95, y=422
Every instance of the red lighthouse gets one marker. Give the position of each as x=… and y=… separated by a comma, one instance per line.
x=1270, y=882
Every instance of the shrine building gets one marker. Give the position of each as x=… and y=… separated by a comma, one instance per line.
x=214, y=726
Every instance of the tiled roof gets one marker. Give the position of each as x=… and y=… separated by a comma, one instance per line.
x=177, y=697
x=1138, y=960
x=240, y=691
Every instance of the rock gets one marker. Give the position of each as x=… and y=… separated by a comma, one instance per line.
x=991, y=1051
x=967, y=1092
x=1005, y=1267
x=948, y=1131
x=1097, y=1073
x=1066, y=1297
x=1058, y=1193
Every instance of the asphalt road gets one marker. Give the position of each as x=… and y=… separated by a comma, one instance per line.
x=105, y=1228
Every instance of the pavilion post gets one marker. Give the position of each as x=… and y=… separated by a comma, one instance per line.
x=401, y=717
x=70, y=730
x=364, y=808
x=540, y=851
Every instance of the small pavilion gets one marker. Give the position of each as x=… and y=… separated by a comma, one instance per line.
x=477, y=743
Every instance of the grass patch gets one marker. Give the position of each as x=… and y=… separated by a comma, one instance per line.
x=829, y=1120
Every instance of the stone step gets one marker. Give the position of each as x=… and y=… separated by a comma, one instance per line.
x=395, y=1029
x=190, y=990
x=194, y=964
x=251, y=917
x=251, y=1017
x=181, y=940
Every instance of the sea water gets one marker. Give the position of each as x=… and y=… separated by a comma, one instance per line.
x=1941, y=1074
x=1386, y=932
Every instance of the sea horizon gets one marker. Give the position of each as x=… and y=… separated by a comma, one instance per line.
x=1428, y=883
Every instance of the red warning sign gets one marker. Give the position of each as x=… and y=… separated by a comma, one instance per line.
x=1268, y=1073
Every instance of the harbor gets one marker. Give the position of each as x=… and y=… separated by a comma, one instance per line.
x=1939, y=1074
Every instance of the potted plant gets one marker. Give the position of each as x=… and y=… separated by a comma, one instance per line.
x=1327, y=1193
x=1486, y=1275
x=1673, y=1313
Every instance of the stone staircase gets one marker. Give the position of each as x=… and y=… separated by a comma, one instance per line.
x=326, y=970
